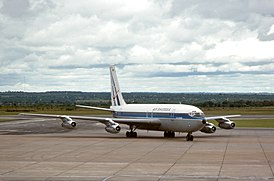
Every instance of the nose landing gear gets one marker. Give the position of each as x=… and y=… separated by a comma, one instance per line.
x=189, y=137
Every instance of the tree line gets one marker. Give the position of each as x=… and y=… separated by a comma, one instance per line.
x=67, y=98
x=240, y=103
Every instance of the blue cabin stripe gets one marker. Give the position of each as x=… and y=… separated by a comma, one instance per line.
x=154, y=115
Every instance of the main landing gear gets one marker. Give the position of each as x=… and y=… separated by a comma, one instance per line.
x=189, y=137
x=131, y=133
x=169, y=134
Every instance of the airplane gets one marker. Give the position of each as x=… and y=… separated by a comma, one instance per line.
x=169, y=118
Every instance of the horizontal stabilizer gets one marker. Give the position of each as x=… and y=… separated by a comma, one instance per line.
x=91, y=107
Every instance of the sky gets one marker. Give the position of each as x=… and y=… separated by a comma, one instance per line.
x=157, y=46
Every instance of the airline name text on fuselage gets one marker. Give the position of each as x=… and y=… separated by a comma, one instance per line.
x=161, y=109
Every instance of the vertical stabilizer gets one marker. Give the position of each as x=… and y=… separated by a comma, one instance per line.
x=116, y=95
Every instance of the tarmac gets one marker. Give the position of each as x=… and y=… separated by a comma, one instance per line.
x=43, y=150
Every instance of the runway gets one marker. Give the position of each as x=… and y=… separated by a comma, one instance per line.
x=43, y=150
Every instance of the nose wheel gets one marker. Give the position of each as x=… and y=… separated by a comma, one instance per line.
x=189, y=137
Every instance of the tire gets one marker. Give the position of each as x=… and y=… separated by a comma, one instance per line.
x=191, y=138
x=172, y=134
x=187, y=138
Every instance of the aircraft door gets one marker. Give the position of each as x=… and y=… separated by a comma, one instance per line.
x=172, y=115
x=149, y=114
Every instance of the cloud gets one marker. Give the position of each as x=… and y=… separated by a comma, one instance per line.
x=164, y=45
x=15, y=8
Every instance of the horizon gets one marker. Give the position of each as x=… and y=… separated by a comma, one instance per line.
x=139, y=92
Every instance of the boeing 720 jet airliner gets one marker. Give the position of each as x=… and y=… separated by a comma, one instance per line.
x=169, y=118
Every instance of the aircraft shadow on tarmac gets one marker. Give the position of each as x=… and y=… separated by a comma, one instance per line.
x=68, y=134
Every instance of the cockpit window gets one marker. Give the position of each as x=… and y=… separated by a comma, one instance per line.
x=196, y=114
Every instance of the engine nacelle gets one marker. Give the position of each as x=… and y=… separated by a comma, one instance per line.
x=208, y=128
x=113, y=128
x=68, y=122
x=227, y=125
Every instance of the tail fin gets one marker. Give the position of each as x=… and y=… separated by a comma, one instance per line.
x=116, y=95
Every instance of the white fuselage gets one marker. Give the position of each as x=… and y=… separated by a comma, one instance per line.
x=173, y=117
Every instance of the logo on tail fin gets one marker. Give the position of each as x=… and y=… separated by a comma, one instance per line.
x=116, y=95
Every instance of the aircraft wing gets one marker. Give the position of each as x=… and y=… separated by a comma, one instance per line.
x=129, y=121
x=92, y=107
x=104, y=120
x=221, y=119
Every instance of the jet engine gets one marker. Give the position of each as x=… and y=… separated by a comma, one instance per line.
x=68, y=122
x=208, y=128
x=227, y=125
x=113, y=128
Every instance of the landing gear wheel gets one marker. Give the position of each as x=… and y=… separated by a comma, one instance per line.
x=189, y=137
x=169, y=134
x=131, y=134
x=172, y=134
